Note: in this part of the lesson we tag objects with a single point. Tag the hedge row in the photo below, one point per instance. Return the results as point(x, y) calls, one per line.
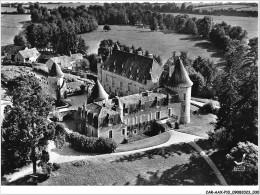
point(86, 144)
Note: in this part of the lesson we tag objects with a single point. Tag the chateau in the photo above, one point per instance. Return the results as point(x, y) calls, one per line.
point(140, 100)
point(127, 73)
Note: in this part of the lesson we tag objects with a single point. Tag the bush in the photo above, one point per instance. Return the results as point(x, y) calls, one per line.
point(208, 108)
point(86, 144)
point(245, 154)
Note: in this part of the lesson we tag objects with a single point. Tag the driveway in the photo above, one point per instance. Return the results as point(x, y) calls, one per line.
point(68, 155)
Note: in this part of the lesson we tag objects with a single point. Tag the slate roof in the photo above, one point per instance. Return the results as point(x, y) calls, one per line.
point(98, 93)
point(134, 99)
point(179, 77)
point(132, 66)
point(55, 71)
point(28, 53)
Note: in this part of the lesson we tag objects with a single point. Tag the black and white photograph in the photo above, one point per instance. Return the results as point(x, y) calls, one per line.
point(111, 95)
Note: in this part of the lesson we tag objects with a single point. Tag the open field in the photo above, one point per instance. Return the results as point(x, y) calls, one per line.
point(56, 5)
point(164, 166)
point(11, 25)
point(228, 6)
point(250, 24)
point(158, 43)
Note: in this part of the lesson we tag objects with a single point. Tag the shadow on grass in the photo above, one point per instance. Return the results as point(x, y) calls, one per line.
point(27, 180)
point(192, 38)
point(164, 152)
point(196, 172)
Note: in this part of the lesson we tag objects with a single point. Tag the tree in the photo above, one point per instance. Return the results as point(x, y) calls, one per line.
point(237, 93)
point(154, 24)
point(106, 27)
point(205, 26)
point(19, 40)
point(85, 64)
point(246, 154)
point(93, 60)
point(24, 125)
point(20, 9)
point(198, 84)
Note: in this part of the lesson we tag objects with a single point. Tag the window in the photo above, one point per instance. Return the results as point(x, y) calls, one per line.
point(129, 86)
point(157, 115)
point(110, 134)
point(113, 82)
point(184, 96)
point(127, 132)
point(169, 112)
point(141, 120)
point(92, 133)
point(126, 121)
point(123, 131)
point(148, 117)
point(151, 116)
point(135, 131)
point(106, 78)
point(183, 108)
point(133, 121)
point(121, 85)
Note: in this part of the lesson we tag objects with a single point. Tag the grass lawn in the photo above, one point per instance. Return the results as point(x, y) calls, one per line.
point(11, 25)
point(144, 143)
point(199, 125)
point(173, 165)
point(158, 43)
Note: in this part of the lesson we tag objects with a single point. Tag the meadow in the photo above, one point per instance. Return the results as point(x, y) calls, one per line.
point(158, 43)
point(228, 6)
point(11, 25)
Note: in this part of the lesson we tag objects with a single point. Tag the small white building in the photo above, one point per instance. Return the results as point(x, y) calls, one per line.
point(27, 55)
point(65, 62)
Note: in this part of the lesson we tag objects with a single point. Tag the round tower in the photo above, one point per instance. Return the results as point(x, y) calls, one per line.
point(56, 82)
point(180, 83)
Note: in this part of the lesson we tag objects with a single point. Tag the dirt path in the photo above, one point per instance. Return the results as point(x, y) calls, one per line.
point(210, 163)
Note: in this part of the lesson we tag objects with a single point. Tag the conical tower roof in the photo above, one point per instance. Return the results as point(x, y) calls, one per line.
point(55, 71)
point(180, 77)
point(98, 93)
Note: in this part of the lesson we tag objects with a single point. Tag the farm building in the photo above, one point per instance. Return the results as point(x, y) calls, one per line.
point(9, 51)
point(27, 55)
point(65, 62)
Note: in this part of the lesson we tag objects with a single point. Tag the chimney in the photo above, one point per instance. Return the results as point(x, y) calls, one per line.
point(70, 53)
point(155, 101)
point(150, 55)
point(140, 53)
point(171, 69)
point(131, 51)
